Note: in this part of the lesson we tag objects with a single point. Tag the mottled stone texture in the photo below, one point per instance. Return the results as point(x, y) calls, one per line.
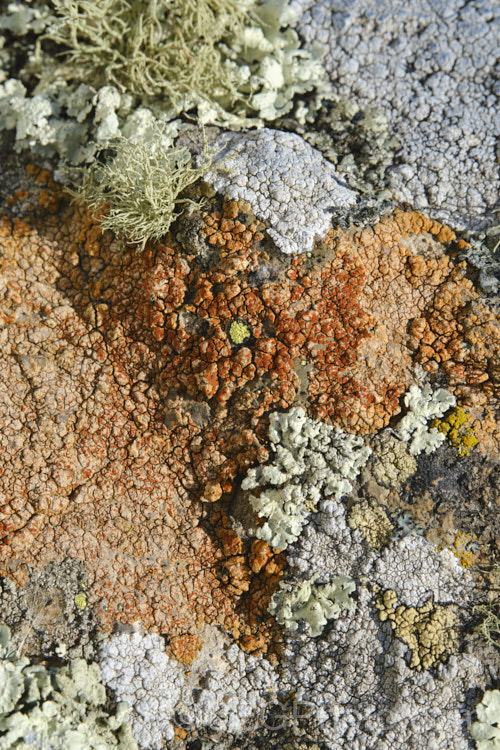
point(430, 65)
point(130, 414)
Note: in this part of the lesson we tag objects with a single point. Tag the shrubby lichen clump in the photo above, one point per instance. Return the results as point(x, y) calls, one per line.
point(151, 47)
point(138, 189)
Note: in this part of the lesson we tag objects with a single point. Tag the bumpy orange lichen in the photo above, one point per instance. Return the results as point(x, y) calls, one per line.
point(84, 472)
point(308, 319)
point(136, 390)
point(185, 648)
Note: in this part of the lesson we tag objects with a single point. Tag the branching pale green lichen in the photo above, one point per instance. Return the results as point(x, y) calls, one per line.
point(152, 47)
point(137, 192)
point(489, 627)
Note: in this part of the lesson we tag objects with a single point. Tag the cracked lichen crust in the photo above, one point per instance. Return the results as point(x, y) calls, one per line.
point(373, 522)
point(430, 65)
point(355, 681)
point(44, 615)
point(357, 140)
point(312, 461)
point(430, 631)
point(357, 690)
point(220, 694)
point(433, 572)
point(287, 183)
point(392, 462)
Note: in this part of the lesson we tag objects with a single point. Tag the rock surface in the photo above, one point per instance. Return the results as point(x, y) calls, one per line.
point(299, 355)
point(431, 67)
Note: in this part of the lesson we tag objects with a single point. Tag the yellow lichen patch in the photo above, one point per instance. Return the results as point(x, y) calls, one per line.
point(239, 332)
point(463, 548)
point(81, 600)
point(373, 522)
point(430, 631)
point(459, 432)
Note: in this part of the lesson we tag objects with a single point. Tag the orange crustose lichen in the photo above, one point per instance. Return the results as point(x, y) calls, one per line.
point(136, 390)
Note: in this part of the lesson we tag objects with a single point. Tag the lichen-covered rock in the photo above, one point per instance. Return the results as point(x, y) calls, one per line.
point(126, 401)
point(51, 611)
point(221, 692)
point(355, 689)
point(136, 393)
point(286, 182)
point(430, 67)
point(62, 708)
point(365, 684)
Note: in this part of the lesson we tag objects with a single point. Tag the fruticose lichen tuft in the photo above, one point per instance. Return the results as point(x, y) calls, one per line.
point(151, 47)
point(137, 192)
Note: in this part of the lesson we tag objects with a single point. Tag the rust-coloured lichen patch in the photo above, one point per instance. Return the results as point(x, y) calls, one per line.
point(136, 390)
point(87, 470)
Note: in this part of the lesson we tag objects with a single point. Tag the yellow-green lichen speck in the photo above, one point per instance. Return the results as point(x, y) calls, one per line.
point(81, 600)
point(239, 332)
